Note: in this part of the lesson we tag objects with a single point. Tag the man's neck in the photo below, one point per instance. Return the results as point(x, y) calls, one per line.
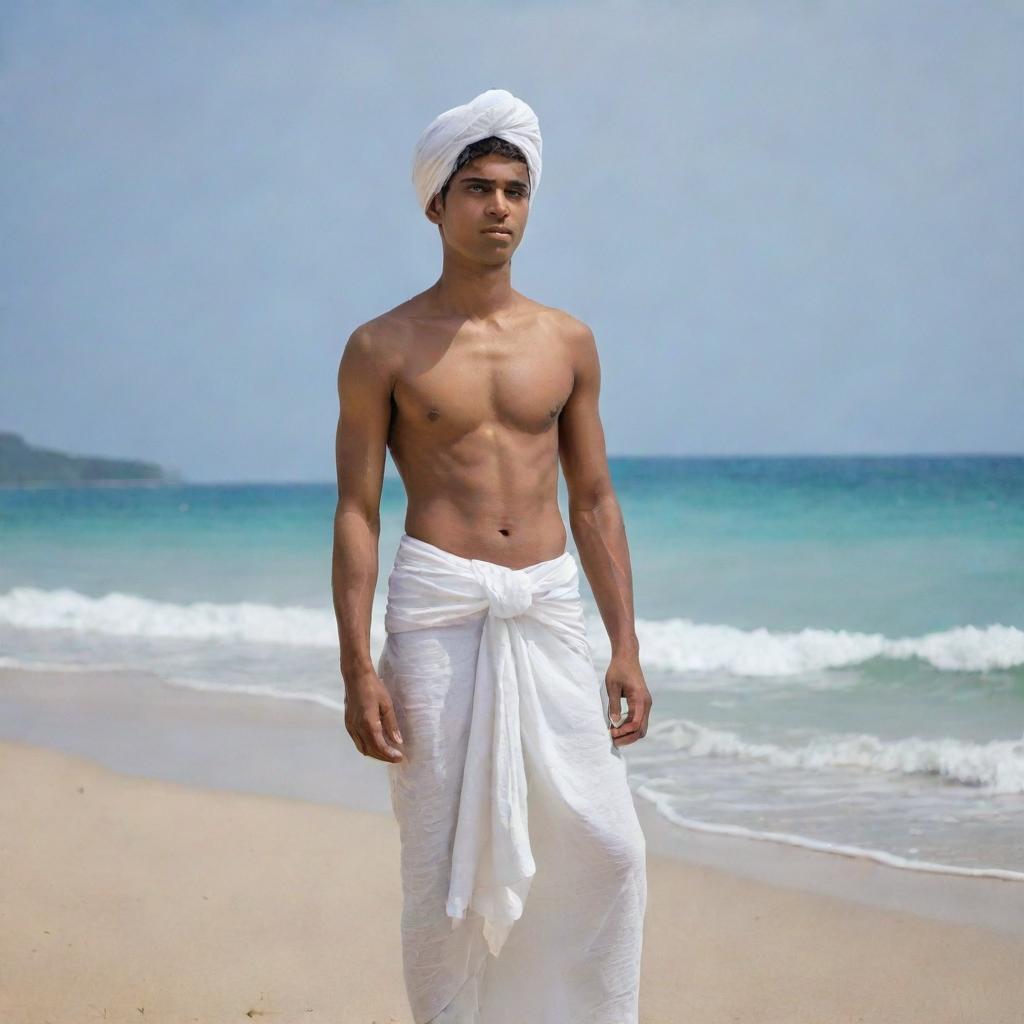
point(473, 291)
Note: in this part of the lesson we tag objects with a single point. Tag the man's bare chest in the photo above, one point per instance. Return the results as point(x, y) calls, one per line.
point(465, 387)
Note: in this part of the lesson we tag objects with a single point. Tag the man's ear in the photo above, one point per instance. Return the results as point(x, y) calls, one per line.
point(435, 208)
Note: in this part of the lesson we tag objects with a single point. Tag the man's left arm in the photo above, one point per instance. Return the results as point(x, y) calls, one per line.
point(597, 526)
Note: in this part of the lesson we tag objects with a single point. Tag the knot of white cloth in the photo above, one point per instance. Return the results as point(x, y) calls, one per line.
point(509, 591)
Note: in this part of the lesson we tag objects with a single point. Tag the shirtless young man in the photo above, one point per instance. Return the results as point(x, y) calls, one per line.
point(479, 392)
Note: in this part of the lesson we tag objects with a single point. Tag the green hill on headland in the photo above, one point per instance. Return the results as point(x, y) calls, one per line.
point(20, 463)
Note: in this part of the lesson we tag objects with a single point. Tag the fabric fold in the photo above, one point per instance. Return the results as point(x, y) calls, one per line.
point(492, 860)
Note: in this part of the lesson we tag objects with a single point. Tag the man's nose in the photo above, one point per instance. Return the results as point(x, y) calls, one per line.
point(499, 204)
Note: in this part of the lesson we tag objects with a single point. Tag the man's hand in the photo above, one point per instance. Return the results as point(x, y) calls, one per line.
point(369, 712)
point(624, 678)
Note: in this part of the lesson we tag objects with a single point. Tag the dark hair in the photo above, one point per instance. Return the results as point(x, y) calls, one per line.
point(492, 144)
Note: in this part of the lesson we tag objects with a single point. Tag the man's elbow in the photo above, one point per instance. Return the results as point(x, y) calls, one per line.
point(592, 498)
point(361, 511)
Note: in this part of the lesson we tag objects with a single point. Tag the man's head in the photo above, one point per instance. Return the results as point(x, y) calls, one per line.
point(444, 142)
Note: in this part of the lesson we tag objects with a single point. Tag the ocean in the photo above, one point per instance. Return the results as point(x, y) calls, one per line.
point(835, 645)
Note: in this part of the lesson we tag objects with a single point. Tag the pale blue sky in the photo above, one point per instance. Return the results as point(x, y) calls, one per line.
point(794, 227)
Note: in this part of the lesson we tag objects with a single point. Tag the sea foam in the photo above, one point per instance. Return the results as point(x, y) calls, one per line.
point(675, 645)
point(997, 766)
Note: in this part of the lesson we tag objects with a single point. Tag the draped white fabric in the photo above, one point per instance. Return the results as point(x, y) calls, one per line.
point(513, 805)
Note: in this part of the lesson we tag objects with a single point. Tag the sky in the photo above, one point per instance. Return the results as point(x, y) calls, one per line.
point(794, 227)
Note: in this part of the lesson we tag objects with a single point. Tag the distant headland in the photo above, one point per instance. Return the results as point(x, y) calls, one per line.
point(21, 463)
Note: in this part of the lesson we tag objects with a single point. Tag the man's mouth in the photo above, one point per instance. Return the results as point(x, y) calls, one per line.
point(497, 231)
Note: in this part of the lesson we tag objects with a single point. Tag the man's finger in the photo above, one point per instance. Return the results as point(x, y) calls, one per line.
point(614, 703)
point(390, 722)
point(625, 729)
point(358, 741)
point(646, 719)
point(633, 703)
point(625, 740)
point(370, 747)
point(380, 746)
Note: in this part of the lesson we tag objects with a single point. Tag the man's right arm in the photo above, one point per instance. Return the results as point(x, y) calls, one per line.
point(364, 396)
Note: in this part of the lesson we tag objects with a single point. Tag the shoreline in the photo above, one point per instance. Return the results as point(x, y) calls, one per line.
point(834, 849)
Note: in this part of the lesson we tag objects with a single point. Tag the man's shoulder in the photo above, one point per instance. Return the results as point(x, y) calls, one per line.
point(571, 329)
point(381, 338)
point(381, 327)
point(567, 326)
point(386, 332)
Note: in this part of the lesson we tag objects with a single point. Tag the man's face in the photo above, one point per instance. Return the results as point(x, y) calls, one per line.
point(488, 193)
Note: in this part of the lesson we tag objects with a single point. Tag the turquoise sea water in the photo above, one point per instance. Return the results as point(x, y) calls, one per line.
point(835, 645)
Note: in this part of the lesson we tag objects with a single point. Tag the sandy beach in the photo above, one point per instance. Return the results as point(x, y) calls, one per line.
point(177, 856)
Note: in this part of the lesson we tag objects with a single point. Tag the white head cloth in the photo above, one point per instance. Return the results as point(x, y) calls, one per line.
point(494, 112)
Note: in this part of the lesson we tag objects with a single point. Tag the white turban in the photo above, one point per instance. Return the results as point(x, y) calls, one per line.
point(494, 112)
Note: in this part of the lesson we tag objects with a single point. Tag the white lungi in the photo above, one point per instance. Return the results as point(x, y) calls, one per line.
point(523, 862)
